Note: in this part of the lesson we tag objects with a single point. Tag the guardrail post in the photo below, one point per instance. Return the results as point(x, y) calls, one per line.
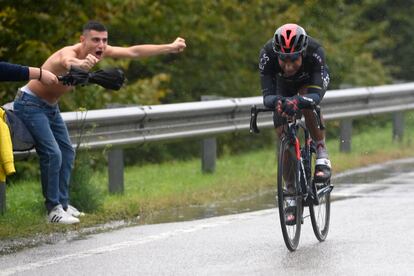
point(345, 135)
point(116, 170)
point(398, 126)
point(209, 150)
point(209, 145)
point(2, 198)
point(115, 164)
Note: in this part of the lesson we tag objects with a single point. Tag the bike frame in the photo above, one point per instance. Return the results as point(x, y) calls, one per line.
point(290, 135)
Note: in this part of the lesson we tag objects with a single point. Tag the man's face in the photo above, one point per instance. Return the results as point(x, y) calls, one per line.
point(289, 66)
point(94, 42)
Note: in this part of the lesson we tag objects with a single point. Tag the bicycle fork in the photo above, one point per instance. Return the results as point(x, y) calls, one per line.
point(302, 176)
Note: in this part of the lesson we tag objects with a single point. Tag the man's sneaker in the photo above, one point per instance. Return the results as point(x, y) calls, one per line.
point(58, 215)
point(74, 212)
point(322, 170)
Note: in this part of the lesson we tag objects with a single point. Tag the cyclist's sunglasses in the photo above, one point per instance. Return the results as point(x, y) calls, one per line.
point(291, 56)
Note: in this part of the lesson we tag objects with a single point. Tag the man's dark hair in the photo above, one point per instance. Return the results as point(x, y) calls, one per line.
point(94, 25)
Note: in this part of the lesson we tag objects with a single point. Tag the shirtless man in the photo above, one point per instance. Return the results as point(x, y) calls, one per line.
point(36, 104)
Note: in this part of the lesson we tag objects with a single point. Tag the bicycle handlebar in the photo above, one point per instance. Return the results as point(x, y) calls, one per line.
point(253, 117)
point(254, 111)
point(317, 112)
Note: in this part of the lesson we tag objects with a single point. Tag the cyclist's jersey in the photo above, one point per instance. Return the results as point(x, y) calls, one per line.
point(313, 74)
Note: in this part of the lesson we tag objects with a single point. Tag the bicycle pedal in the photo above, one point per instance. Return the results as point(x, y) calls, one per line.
point(319, 185)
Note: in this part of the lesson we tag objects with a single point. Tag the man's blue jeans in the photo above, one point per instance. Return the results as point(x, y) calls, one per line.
point(56, 154)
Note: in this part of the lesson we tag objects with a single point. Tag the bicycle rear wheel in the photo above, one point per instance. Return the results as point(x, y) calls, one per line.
point(320, 214)
point(289, 198)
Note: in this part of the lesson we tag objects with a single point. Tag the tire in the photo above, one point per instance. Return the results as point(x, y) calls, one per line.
point(320, 215)
point(290, 168)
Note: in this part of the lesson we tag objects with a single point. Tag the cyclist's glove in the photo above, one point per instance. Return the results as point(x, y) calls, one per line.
point(291, 105)
point(305, 101)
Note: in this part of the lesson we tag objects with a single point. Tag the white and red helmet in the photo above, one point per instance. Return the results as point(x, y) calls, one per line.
point(290, 39)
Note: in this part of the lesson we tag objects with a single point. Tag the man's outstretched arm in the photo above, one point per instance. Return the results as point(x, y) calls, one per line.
point(146, 50)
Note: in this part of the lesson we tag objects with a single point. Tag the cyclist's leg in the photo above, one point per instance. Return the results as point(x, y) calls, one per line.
point(323, 164)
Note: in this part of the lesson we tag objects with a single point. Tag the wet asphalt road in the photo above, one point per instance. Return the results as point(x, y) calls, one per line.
point(371, 234)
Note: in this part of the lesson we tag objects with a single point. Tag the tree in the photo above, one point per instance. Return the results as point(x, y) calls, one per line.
point(224, 38)
point(32, 30)
point(396, 52)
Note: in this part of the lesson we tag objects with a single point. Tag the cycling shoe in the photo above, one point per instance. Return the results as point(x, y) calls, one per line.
point(290, 215)
point(322, 170)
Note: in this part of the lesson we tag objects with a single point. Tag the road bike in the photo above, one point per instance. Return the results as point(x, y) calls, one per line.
point(296, 185)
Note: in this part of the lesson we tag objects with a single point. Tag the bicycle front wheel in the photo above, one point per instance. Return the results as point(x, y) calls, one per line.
point(289, 198)
point(320, 214)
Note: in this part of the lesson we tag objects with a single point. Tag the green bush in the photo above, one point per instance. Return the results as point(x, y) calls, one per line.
point(84, 193)
point(26, 170)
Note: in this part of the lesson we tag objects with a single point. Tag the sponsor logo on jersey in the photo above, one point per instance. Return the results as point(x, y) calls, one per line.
point(317, 57)
point(326, 80)
point(263, 61)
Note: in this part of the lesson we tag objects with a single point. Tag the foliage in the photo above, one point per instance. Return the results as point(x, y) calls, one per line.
point(30, 31)
point(366, 42)
point(397, 14)
point(26, 170)
point(84, 193)
point(223, 38)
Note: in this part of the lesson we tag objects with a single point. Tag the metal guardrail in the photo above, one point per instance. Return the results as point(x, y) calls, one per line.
point(141, 124)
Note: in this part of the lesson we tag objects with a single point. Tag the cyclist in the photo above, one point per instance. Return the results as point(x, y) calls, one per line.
point(293, 76)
